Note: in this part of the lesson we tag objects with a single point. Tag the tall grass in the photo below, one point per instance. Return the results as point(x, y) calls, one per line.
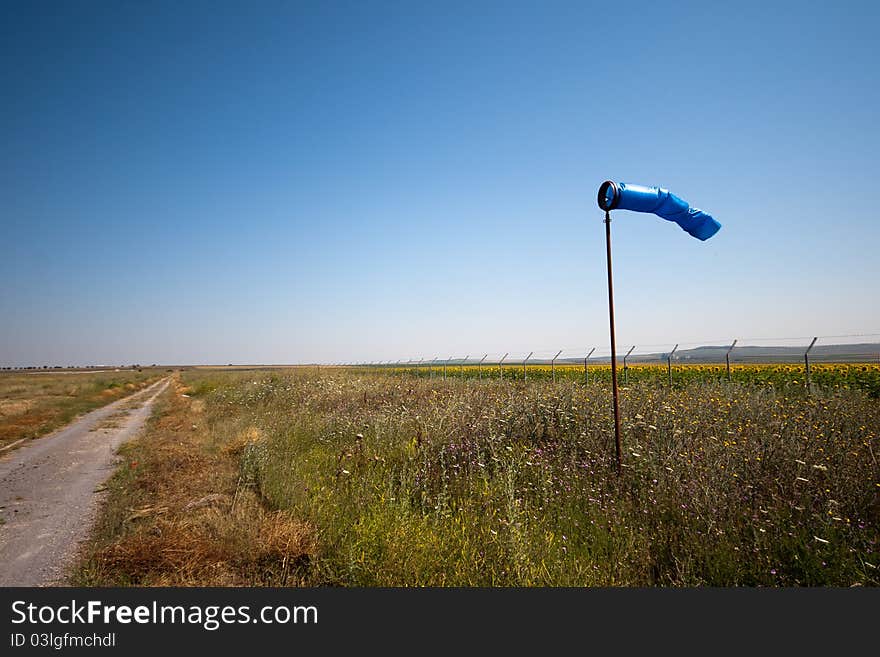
point(412, 481)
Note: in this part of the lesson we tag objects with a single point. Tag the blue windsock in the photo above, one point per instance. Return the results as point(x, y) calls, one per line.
point(659, 201)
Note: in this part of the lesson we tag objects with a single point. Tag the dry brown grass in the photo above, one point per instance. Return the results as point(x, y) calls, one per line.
point(34, 404)
point(176, 515)
point(242, 441)
point(10, 407)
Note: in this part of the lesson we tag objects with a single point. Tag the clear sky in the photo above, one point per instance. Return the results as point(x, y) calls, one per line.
point(262, 182)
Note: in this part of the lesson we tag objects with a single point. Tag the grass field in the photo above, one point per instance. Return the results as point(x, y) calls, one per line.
point(346, 477)
point(33, 404)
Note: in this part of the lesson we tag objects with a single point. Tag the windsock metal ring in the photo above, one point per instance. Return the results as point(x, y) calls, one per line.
point(609, 195)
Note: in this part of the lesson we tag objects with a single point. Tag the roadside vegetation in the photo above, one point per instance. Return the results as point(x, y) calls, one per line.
point(33, 404)
point(176, 513)
point(365, 478)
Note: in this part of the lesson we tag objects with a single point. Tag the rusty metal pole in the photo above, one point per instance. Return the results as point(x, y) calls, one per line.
point(669, 364)
point(586, 371)
point(626, 367)
point(727, 359)
point(807, 363)
point(614, 392)
point(553, 365)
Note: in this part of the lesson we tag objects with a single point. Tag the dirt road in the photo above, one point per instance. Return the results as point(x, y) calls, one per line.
point(48, 501)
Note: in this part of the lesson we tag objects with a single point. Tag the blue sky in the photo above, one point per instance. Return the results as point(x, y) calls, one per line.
point(297, 182)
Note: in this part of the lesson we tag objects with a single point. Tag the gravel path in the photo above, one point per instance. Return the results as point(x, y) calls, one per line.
point(48, 501)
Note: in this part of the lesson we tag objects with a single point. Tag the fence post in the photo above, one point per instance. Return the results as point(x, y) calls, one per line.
point(431, 371)
point(669, 364)
point(461, 366)
point(480, 365)
point(501, 365)
point(445, 363)
point(586, 373)
point(807, 363)
point(727, 359)
point(525, 374)
point(553, 365)
point(626, 367)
